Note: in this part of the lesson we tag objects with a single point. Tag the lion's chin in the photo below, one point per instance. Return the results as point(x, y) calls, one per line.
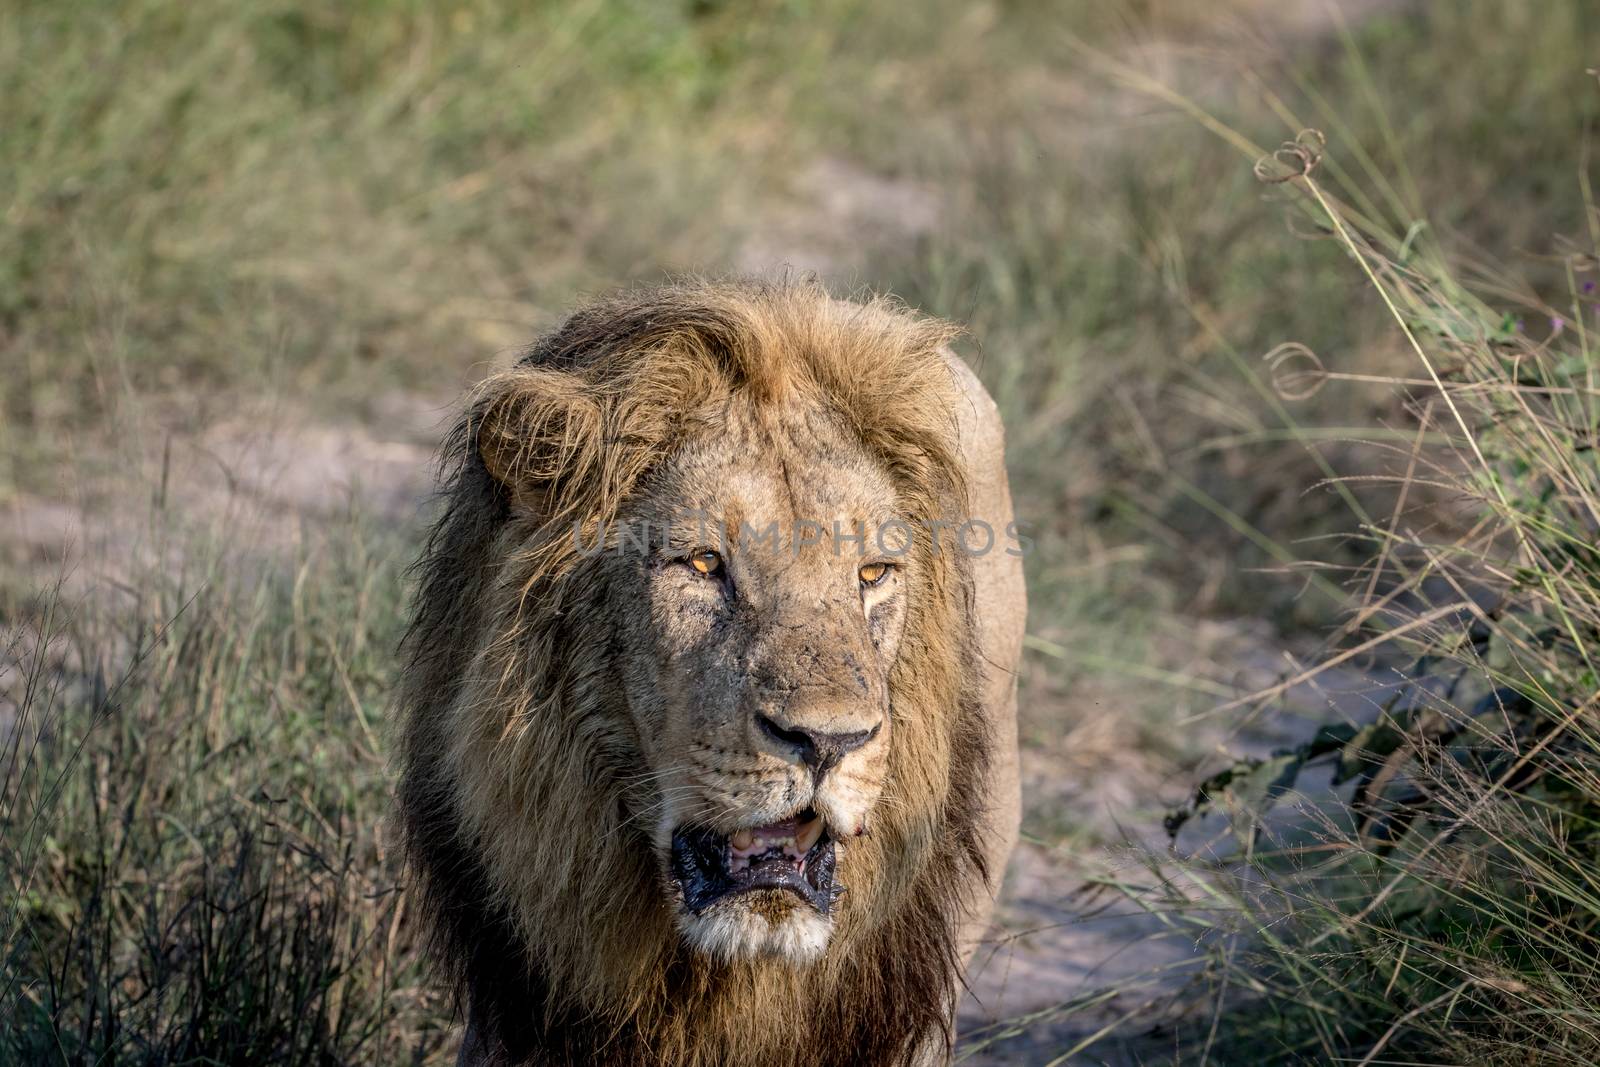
point(742, 929)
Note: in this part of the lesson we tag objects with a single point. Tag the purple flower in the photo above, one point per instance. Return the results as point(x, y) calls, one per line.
point(1557, 324)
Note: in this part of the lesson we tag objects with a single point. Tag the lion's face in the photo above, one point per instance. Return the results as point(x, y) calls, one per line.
point(758, 674)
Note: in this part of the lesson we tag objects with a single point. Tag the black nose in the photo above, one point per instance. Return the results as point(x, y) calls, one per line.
point(818, 749)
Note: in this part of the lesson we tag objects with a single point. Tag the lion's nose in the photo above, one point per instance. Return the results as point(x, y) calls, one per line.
point(818, 749)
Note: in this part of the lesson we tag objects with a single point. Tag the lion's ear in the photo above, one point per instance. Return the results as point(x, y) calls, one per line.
point(501, 458)
point(537, 433)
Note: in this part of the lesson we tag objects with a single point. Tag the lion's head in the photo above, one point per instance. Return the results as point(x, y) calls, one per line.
point(690, 749)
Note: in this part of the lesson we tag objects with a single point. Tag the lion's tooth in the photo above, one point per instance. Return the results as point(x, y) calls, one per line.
point(742, 840)
point(809, 833)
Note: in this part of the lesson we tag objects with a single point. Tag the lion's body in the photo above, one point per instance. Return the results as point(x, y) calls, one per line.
point(562, 712)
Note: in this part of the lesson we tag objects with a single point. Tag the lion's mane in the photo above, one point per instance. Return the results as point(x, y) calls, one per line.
point(519, 782)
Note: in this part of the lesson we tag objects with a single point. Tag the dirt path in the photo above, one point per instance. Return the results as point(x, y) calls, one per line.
point(252, 486)
point(1075, 962)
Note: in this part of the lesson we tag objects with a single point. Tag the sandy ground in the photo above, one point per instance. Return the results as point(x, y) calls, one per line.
point(1088, 952)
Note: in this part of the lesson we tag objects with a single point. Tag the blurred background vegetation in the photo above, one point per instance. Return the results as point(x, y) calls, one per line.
point(249, 255)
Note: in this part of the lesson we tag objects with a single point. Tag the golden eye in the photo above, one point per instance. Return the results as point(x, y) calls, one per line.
point(706, 562)
point(873, 573)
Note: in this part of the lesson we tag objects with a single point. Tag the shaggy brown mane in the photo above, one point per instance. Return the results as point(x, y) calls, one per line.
point(509, 702)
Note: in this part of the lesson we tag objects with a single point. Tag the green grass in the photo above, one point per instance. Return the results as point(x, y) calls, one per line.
point(1441, 906)
point(1444, 908)
point(203, 205)
point(196, 863)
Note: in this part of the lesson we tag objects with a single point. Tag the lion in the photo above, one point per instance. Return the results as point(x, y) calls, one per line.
point(708, 717)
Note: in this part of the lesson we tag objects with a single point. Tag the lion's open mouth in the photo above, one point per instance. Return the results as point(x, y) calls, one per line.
point(795, 854)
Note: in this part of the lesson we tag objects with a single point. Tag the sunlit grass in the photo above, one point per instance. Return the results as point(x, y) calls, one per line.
point(1440, 905)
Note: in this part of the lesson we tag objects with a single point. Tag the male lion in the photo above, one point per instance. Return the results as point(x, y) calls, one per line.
point(709, 724)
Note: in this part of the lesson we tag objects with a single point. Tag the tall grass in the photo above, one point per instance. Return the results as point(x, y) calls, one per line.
point(1446, 906)
point(193, 858)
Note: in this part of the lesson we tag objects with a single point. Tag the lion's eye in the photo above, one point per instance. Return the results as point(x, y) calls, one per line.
point(707, 562)
point(874, 573)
